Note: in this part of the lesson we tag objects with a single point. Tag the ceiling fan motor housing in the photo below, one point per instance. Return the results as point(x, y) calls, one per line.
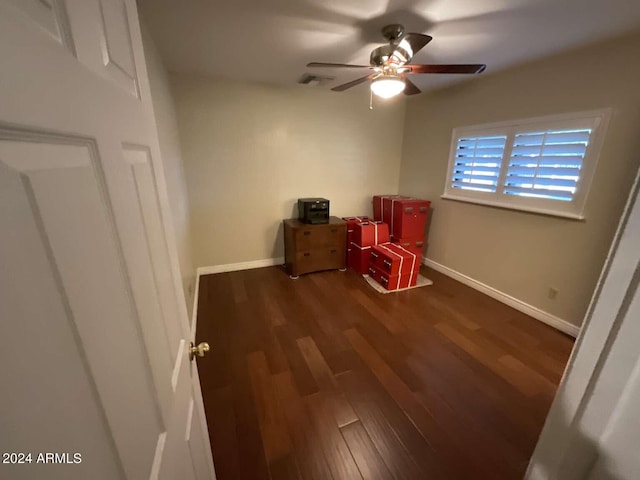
point(389, 55)
point(393, 32)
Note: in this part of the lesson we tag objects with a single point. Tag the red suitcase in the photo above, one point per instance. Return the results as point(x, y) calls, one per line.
point(407, 217)
point(359, 258)
point(370, 233)
point(393, 282)
point(394, 259)
point(414, 245)
point(351, 221)
point(378, 201)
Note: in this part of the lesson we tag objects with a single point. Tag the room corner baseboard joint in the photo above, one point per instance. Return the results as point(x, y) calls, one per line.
point(230, 267)
point(234, 267)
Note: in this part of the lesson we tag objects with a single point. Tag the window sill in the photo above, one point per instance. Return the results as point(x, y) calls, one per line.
point(489, 203)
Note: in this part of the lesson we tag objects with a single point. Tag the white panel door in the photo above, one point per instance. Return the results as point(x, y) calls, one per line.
point(593, 428)
point(94, 336)
point(618, 452)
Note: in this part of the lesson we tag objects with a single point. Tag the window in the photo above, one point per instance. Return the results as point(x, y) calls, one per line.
point(477, 163)
point(543, 165)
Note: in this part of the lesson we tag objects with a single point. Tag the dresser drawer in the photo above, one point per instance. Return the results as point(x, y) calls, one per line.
point(315, 237)
point(328, 258)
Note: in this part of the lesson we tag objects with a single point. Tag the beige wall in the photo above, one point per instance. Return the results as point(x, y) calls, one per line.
point(250, 151)
point(165, 116)
point(518, 253)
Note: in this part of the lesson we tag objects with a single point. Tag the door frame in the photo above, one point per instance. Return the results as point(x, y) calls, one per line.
point(567, 446)
point(195, 376)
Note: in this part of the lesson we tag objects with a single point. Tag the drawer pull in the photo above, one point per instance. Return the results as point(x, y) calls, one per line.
point(408, 210)
point(334, 230)
point(374, 255)
point(423, 209)
point(387, 264)
point(372, 270)
point(333, 250)
point(419, 244)
point(306, 254)
point(307, 232)
point(384, 280)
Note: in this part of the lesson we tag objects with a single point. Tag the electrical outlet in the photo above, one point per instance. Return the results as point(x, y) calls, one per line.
point(553, 293)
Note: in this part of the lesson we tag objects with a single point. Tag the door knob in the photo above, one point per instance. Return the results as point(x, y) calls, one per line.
point(198, 350)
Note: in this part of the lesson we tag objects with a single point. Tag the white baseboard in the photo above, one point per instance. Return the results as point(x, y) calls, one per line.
point(233, 267)
point(535, 312)
point(230, 267)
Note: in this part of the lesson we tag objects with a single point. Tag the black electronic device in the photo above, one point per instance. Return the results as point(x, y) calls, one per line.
point(313, 210)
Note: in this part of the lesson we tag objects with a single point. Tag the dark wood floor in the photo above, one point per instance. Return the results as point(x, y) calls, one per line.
point(323, 378)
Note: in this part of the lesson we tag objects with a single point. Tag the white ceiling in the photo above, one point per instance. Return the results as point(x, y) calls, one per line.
point(271, 41)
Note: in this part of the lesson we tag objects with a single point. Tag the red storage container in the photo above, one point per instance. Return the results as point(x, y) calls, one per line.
point(370, 233)
point(392, 282)
point(408, 216)
point(351, 221)
point(358, 258)
point(414, 245)
point(378, 201)
point(394, 260)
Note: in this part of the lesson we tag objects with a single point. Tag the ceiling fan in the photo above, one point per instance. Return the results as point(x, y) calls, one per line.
point(390, 64)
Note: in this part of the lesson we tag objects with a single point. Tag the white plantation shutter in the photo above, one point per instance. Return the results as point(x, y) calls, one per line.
point(542, 165)
point(546, 164)
point(477, 163)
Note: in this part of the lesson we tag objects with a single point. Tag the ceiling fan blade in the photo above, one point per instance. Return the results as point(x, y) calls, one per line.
point(335, 65)
point(416, 41)
point(465, 68)
point(344, 86)
point(410, 87)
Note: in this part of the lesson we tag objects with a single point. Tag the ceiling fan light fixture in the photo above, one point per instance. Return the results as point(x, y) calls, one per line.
point(389, 65)
point(387, 86)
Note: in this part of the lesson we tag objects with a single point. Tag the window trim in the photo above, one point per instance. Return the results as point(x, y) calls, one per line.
point(597, 120)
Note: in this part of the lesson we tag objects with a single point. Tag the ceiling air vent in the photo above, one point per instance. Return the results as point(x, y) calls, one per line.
point(314, 80)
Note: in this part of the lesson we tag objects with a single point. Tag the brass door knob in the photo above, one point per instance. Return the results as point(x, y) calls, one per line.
point(199, 350)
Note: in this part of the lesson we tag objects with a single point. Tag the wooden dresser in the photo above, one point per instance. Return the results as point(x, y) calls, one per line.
point(311, 248)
